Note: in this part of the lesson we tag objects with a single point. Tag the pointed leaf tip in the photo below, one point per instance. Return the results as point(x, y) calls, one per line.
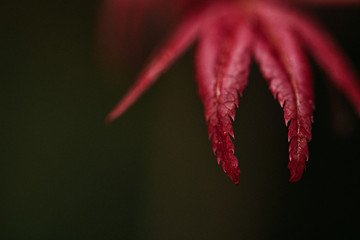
point(178, 42)
point(292, 83)
point(223, 61)
point(109, 119)
point(235, 176)
point(297, 169)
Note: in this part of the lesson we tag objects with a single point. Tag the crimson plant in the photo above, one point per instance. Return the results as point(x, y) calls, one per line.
point(229, 34)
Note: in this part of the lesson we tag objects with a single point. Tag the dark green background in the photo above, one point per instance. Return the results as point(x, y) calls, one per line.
point(152, 174)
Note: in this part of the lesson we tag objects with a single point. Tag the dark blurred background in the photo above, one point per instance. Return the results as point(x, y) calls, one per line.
point(152, 174)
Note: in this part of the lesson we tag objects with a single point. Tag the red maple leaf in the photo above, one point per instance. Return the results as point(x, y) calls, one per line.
point(229, 34)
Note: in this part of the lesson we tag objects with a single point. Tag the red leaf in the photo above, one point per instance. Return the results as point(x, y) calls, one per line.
point(301, 81)
point(324, 48)
point(229, 32)
point(331, 58)
point(277, 77)
point(175, 46)
point(223, 61)
point(298, 102)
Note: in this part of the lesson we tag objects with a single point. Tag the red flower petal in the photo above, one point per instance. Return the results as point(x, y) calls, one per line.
point(223, 61)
